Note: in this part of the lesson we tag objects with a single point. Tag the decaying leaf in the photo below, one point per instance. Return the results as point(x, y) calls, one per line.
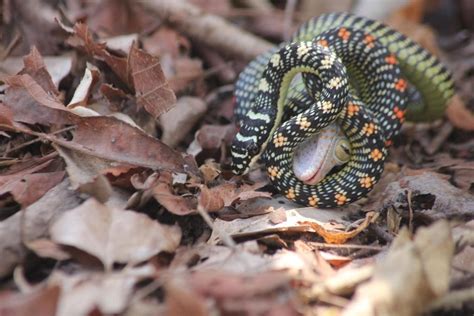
point(177, 122)
point(225, 194)
point(340, 237)
point(114, 235)
point(83, 90)
point(27, 189)
point(151, 88)
point(211, 137)
point(412, 275)
point(110, 293)
point(296, 219)
point(32, 223)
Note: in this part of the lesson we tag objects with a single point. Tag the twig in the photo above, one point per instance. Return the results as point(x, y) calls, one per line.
point(37, 140)
point(347, 246)
point(410, 211)
point(206, 28)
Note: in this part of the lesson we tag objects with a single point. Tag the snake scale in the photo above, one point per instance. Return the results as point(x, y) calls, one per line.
point(357, 74)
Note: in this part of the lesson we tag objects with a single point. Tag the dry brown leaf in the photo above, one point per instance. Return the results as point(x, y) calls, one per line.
point(40, 302)
point(28, 188)
point(113, 139)
point(166, 41)
point(459, 115)
point(82, 38)
point(163, 192)
point(35, 67)
point(431, 193)
point(110, 293)
point(186, 71)
point(338, 236)
point(179, 121)
point(116, 18)
point(224, 194)
point(210, 170)
point(31, 104)
point(412, 275)
point(114, 235)
point(103, 137)
point(211, 137)
point(32, 223)
point(151, 88)
point(87, 172)
point(58, 66)
point(6, 116)
point(297, 219)
point(181, 300)
point(244, 294)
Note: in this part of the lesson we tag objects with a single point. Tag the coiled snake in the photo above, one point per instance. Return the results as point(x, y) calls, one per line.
point(357, 74)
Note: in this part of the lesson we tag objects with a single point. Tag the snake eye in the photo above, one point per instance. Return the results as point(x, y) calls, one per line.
point(252, 149)
point(343, 150)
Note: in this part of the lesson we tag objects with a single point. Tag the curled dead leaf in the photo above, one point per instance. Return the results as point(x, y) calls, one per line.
point(410, 276)
point(338, 236)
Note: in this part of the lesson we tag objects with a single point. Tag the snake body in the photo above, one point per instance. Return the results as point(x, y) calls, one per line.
point(356, 72)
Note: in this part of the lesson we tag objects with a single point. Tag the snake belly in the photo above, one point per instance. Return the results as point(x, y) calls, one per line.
point(370, 112)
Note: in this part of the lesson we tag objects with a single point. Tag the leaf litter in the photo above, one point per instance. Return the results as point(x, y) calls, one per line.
point(117, 196)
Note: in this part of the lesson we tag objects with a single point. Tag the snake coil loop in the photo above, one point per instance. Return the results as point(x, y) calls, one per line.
point(353, 75)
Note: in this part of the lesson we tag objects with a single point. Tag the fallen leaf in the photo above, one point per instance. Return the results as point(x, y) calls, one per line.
point(28, 188)
point(57, 66)
point(110, 293)
point(433, 194)
point(114, 235)
point(82, 38)
point(339, 236)
point(181, 300)
point(211, 137)
point(33, 223)
point(31, 104)
point(104, 16)
point(83, 90)
point(225, 194)
point(166, 41)
point(210, 170)
point(35, 67)
point(298, 220)
point(163, 192)
point(459, 115)
point(151, 88)
point(86, 172)
point(179, 121)
point(103, 137)
point(410, 276)
point(186, 71)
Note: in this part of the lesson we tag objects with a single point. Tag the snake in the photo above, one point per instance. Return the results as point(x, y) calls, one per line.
point(347, 81)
